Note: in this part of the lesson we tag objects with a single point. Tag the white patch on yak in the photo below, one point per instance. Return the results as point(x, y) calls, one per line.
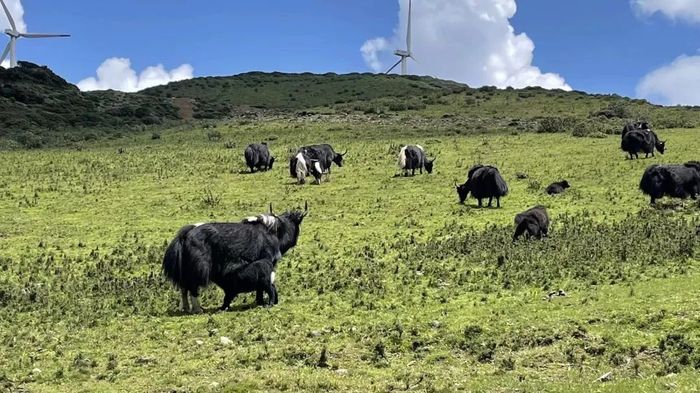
point(268, 220)
point(420, 147)
point(317, 165)
point(199, 224)
point(301, 168)
point(272, 277)
point(402, 158)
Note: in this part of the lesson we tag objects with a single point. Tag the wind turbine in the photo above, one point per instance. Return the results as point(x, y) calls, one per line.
point(404, 54)
point(11, 47)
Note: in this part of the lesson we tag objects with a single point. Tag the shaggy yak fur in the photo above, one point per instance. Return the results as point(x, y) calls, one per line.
point(533, 222)
point(483, 182)
point(325, 155)
point(413, 157)
point(301, 166)
point(238, 257)
point(557, 187)
point(676, 181)
point(645, 141)
point(258, 157)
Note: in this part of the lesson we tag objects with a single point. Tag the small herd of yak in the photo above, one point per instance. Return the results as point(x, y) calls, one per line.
point(242, 257)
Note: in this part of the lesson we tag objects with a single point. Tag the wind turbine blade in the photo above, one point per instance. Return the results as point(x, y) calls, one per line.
point(394, 66)
point(408, 32)
point(9, 17)
point(4, 54)
point(42, 35)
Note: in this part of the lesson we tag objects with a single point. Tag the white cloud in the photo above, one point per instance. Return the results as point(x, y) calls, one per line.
point(688, 10)
point(116, 73)
point(17, 12)
point(469, 41)
point(675, 84)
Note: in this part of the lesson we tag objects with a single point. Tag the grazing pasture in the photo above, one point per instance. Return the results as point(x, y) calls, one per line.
point(393, 285)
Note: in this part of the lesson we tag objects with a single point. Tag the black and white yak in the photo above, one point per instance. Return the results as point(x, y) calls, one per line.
point(533, 222)
point(325, 155)
point(483, 182)
point(301, 166)
point(676, 181)
point(412, 157)
point(238, 257)
point(258, 157)
point(557, 187)
point(645, 141)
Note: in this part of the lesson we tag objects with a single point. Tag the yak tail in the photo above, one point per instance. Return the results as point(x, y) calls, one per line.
point(402, 158)
point(176, 260)
point(501, 186)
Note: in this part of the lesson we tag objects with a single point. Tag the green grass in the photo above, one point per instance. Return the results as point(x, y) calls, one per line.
point(401, 285)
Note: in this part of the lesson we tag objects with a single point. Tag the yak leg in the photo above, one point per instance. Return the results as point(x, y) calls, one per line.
point(413, 172)
point(498, 202)
point(228, 298)
point(274, 288)
point(271, 294)
point(480, 202)
point(185, 303)
point(490, 201)
point(194, 298)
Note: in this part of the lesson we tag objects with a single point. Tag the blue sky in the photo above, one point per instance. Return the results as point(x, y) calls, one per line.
point(592, 45)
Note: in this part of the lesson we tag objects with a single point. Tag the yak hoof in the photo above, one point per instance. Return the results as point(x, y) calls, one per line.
point(197, 310)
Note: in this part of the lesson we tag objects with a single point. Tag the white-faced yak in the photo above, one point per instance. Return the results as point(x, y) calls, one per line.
point(301, 166)
point(413, 157)
point(645, 141)
point(238, 257)
point(675, 181)
point(258, 157)
point(533, 222)
point(557, 187)
point(483, 182)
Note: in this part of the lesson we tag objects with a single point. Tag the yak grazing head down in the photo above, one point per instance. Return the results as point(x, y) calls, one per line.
point(429, 165)
point(338, 159)
point(462, 191)
point(661, 146)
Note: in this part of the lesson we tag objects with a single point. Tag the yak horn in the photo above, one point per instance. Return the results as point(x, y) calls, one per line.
point(271, 213)
point(306, 208)
point(342, 154)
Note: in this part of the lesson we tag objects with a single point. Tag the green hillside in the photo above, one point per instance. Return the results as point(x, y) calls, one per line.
point(38, 108)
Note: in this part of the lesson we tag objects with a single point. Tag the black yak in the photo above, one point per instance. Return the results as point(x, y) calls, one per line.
point(676, 181)
point(557, 187)
point(533, 222)
point(413, 157)
point(301, 166)
point(325, 155)
point(483, 182)
point(640, 125)
point(645, 141)
point(258, 157)
point(238, 257)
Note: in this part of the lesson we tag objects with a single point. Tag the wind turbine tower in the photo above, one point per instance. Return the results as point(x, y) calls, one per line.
point(404, 55)
point(14, 35)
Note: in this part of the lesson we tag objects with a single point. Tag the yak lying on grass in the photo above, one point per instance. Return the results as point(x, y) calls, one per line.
point(413, 157)
point(533, 222)
point(238, 257)
point(645, 141)
point(258, 157)
point(483, 182)
point(301, 166)
point(676, 181)
point(557, 187)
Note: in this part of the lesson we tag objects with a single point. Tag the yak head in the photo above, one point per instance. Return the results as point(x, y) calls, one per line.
point(288, 232)
point(661, 146)
point(338, 159)
point(462, 191)
point(564, 184)
point(429, 165)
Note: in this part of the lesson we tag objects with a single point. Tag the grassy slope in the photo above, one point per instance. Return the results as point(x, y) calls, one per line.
point(73, 214)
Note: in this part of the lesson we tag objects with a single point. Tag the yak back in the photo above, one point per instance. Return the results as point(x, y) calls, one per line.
point(485, 181)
